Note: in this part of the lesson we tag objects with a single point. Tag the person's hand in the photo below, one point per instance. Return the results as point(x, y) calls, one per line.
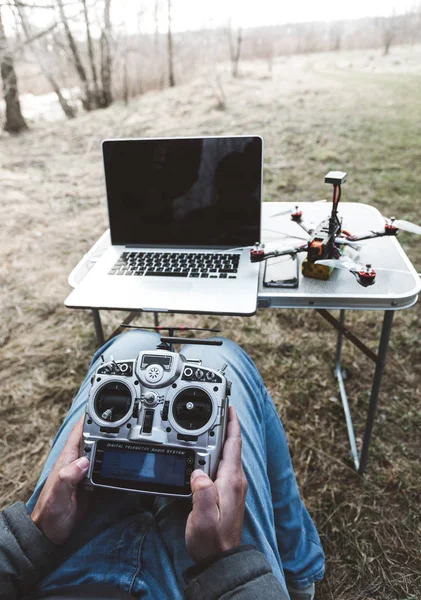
point(216, 520)
point(59, 508)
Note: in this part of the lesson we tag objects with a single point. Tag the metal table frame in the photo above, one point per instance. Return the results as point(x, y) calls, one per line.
point(379, 359)
point(360, 459)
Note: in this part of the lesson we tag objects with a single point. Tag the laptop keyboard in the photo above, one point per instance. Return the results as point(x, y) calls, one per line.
point(177, 264)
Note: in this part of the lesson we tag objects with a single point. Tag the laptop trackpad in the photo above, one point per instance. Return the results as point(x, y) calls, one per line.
point(158, 285)
point(171, 295)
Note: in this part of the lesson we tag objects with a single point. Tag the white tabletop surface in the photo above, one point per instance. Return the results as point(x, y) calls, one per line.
point(392, 290)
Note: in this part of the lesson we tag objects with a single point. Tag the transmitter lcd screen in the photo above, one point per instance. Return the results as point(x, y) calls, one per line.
point(164, 361)
point(203, 192)
point(143, 466)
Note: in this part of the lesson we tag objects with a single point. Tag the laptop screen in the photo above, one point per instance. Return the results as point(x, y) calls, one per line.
point(199, 192)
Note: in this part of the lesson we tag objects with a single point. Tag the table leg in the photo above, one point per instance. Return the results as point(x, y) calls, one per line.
point(342, 391)
point(340, 338)
point(379, 359)
point(98, 326)
point(375, 389)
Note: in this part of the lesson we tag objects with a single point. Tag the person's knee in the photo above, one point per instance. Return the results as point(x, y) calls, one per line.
point(214, 356)
point(130, 343)
point(229, 347)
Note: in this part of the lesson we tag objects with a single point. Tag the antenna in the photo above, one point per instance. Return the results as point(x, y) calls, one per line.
point(167, 342)
point(171, 329)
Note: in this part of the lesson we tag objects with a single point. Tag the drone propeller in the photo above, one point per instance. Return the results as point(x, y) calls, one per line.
point(403, 225)
point(344, 242)
point(346, 263)
point(289, 211)
point(285, 234)
point(296, 209)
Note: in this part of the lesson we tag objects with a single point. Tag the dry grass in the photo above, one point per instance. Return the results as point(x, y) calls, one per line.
point(315, 115)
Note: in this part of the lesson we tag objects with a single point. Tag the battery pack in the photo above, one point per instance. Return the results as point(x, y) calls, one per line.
point(310, 269)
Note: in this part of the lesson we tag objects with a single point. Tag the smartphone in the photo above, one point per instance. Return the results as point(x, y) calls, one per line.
point(281, 272)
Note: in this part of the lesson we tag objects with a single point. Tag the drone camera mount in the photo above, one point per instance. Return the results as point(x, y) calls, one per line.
point(335, 177)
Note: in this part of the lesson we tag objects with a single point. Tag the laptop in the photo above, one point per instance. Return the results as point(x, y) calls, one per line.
point(183, 214)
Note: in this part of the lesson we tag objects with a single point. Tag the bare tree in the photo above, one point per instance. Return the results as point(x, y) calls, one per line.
point(218, 91)
point(171, 77)
point(88, 98)
point(15, 123)
point(336, 34)
point(106, 61)
point(234, 47)
point(68, 110)
point(389, 33)
point(97, 93)
point(159, 58)
point(126, 89)
point(156, 18)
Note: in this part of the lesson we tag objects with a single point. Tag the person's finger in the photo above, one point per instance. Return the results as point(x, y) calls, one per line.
point(74, 438)
point(71, 448)
point(231, 454)
point(68, 479)
point(205, 499)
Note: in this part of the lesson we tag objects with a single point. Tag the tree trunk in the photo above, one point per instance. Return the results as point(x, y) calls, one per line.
point(15, 123)
point(170, 49)
point(106, 62)
point(126, 91)
point(97, 92)
point(237, 53)
point(387, 42)
point(235, 48)
point(88, 100)
point(68, 110)
point(156, 16)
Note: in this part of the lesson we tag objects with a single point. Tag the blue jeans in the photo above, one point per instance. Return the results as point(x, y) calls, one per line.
point(136, 542)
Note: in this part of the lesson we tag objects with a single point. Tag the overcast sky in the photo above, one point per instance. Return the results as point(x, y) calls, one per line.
point(197, 14)
point(138, 15)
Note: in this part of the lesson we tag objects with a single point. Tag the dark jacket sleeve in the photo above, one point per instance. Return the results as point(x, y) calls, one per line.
point(241, 574)
point(25, 552)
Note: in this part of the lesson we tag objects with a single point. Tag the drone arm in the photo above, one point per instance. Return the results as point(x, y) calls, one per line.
point(308, 230)
point(260, 257)
point(365, 236)
point(340, 241)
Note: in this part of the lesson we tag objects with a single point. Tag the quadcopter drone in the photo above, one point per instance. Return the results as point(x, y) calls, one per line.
point(327, 240)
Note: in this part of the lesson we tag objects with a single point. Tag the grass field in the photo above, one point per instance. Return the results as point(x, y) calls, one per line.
point(358, 112)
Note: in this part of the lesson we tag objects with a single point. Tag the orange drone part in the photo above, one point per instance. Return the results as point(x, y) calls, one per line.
point(317, 246)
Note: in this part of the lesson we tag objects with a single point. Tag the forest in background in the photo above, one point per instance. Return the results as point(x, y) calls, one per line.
point(74, 49)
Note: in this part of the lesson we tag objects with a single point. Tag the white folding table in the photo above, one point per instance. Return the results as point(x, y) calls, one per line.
point(396, 287)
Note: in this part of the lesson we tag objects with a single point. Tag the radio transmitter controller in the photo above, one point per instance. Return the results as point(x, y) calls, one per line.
point(152, 420)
